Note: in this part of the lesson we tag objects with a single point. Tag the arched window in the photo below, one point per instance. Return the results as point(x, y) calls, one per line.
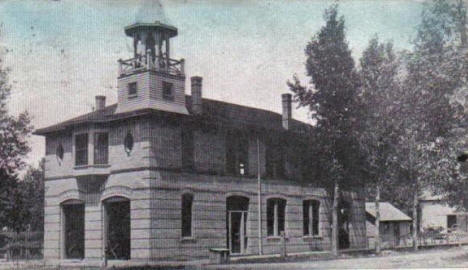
point(276, 215)
point(59, 152)
point(187, 203)
point(128, 143)
point(311, 217)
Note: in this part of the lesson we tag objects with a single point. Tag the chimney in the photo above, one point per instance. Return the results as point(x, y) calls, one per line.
point(287, 113)
point(196, 95)
point(100, 103)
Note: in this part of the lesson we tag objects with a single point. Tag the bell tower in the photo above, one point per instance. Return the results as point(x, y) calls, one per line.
point(151, 79)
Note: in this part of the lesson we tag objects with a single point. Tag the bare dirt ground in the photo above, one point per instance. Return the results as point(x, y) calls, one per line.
point(456, 257)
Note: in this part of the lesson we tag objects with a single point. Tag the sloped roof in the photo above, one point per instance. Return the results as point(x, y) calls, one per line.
point(213, 111)
point(388, 212)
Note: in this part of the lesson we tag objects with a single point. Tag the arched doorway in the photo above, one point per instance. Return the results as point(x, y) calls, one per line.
point(117, 228)
point(73, 229)
point(236, 222)
point(344, 218)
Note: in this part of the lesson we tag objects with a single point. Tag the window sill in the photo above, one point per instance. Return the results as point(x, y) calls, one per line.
point(132, 96)
point(98, 169)
point(275, 238)
point(312, 237)
point(188, 239)
point(82, 167)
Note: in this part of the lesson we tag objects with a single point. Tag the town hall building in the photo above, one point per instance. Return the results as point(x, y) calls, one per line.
point(162, 175)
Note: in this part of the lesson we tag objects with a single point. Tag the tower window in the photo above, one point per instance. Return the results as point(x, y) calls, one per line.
point(132, 89)
point(167, 91)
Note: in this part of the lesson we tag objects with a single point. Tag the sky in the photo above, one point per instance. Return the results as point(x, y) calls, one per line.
point(62, 53)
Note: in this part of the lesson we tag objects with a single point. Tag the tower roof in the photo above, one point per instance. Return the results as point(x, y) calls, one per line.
point(156, 26)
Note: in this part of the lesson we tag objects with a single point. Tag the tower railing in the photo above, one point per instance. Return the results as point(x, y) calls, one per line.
point(148, 62)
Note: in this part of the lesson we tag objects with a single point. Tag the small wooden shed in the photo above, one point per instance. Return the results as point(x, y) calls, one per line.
point(395, 226)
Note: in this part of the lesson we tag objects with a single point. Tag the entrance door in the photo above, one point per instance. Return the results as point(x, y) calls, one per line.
point(73, 227)
point(237, 231)
point(236, 224)
point(117, 228)
point(396, 230)
point(344, 210)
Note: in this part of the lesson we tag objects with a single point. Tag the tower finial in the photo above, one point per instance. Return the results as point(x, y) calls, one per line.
point(150, 11)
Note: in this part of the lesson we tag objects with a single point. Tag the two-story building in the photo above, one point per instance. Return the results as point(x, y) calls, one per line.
point(163, 175)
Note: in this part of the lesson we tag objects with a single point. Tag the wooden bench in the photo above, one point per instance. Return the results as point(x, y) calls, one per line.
point(219, 255)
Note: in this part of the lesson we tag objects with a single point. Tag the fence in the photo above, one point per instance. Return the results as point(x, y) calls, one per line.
point(425, 239)
point(24, 245)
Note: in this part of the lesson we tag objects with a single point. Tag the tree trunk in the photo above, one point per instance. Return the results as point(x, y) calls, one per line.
point(377, 219)
point(334, 242)
point(415, 220)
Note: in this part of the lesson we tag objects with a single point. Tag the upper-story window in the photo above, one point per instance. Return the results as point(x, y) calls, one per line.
point(275, 160)
point(81, 149)
point(237, 155)
point(132, 89)
point(168, 92)
point(187, 149)
point(101, 148)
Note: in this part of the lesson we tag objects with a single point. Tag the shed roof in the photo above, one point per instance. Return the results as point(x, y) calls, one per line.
point(218, 112)
point(388, 212)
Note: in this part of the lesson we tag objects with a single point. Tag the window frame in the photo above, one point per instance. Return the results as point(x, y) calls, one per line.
point(279, 205)
point(168, 86)
point(83, 149)
point(184, 198)
point(132, 89)
point(97, 154)
point(311, 218)
point(237, 153)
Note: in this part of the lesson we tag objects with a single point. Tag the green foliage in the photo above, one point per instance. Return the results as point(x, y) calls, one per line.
point(330, 96)
point(14, 132)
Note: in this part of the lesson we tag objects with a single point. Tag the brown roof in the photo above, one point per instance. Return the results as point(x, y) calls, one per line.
point(213, 112)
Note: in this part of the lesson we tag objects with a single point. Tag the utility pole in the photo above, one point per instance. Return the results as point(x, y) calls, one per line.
point(259, 204)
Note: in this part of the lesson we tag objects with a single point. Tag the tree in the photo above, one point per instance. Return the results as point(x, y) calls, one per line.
point(14, 132)
point(377, 135)
point(330, 96)
point(436, 69)
point(32, 186)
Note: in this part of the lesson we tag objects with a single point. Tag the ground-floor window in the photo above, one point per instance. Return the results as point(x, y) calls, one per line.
point(187, 201)
point(117, 228)
point(276, 213)
point(311, 218)
point(73, 229)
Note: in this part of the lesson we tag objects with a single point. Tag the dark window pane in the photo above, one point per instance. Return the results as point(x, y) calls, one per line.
point(81, 149)
point(237, 153)
point(281, 215)
point(305, 216)
point(132, 88)
point(187, 201)
point(315, 217)
point(167, 91)
point(128, 143)
point(187, 149)
point(101, 148)
point(270, 216)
